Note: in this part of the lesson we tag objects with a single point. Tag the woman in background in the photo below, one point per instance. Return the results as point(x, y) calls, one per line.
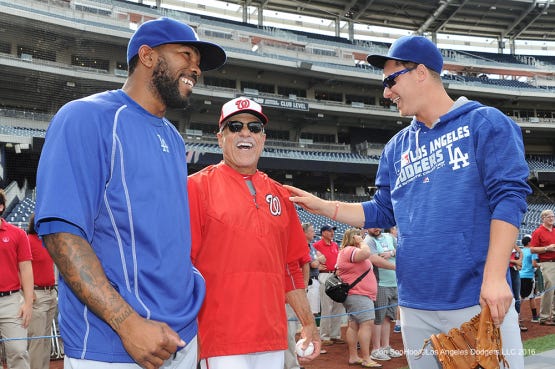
point(352, 261)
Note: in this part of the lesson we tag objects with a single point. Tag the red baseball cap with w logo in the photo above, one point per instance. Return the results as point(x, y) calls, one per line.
point(242, 105)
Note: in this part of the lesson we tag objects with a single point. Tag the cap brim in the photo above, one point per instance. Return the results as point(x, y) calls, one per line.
point(212, 56)
point(379, 61)
point(263, 118)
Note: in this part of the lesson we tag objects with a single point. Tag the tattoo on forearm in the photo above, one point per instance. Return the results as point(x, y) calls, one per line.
point(83, 272)
point(120, 318)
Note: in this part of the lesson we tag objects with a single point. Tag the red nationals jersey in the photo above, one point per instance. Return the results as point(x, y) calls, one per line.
point(247, 246)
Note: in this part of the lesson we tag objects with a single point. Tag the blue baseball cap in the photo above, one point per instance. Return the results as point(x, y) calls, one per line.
point(170, 31)
point(416, 49)
point(327, 227)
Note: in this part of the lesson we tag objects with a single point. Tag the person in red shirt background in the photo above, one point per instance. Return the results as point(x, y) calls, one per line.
point(543, 244)
point(16, 308)
point(330, 328)
point(45, 303)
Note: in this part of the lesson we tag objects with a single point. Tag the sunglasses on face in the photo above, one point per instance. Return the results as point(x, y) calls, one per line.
point(389, 81)
point(236, 126)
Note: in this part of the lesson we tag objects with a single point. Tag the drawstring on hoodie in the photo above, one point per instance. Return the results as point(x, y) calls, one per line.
point(418, 143)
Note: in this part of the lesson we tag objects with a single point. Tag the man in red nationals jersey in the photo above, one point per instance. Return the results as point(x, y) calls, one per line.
point(45, 303)
point(543, 244)
point(16, 290)
point(246, 241)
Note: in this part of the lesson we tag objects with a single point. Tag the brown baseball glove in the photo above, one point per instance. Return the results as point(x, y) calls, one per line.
point(476, 344)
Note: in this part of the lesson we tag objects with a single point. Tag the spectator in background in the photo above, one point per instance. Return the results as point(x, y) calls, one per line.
point(383, 250)
point(397, 328)
point(112, 209)
point(330, 323)
point(45, 303)
point(515, 263)
point(543, 244)
point(353, 262)
point(529, 265)
point(16, 274)
point(454, 180)
point(313, 288)
point(316, 260)
point(247, 243)
point(392, 231)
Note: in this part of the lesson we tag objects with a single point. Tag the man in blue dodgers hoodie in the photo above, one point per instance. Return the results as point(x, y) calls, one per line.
point(454, 182)
point(113, 212)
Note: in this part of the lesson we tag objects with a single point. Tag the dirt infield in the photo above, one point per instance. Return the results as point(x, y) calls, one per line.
point(337, 355)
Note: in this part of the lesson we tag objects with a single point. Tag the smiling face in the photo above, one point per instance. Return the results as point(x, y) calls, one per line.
point(402, 92)
point(175, 74)
point(241, 149)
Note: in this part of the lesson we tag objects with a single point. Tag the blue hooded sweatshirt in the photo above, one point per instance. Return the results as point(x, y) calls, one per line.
point(442, 187)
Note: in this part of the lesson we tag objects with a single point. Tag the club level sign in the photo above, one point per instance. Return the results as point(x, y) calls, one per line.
point(281, 103)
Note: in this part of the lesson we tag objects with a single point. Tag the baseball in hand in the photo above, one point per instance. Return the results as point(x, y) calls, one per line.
point(306, 352)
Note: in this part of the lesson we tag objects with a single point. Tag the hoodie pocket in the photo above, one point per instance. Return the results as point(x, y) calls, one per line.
point(438, 272)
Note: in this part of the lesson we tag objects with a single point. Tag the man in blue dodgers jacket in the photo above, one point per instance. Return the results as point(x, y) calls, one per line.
point(454, 182)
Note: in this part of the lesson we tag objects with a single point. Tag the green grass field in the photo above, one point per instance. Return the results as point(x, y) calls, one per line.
point(539, 344)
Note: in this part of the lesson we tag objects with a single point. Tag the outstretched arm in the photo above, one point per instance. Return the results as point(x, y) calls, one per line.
point(148, 342)
point(348, 213)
